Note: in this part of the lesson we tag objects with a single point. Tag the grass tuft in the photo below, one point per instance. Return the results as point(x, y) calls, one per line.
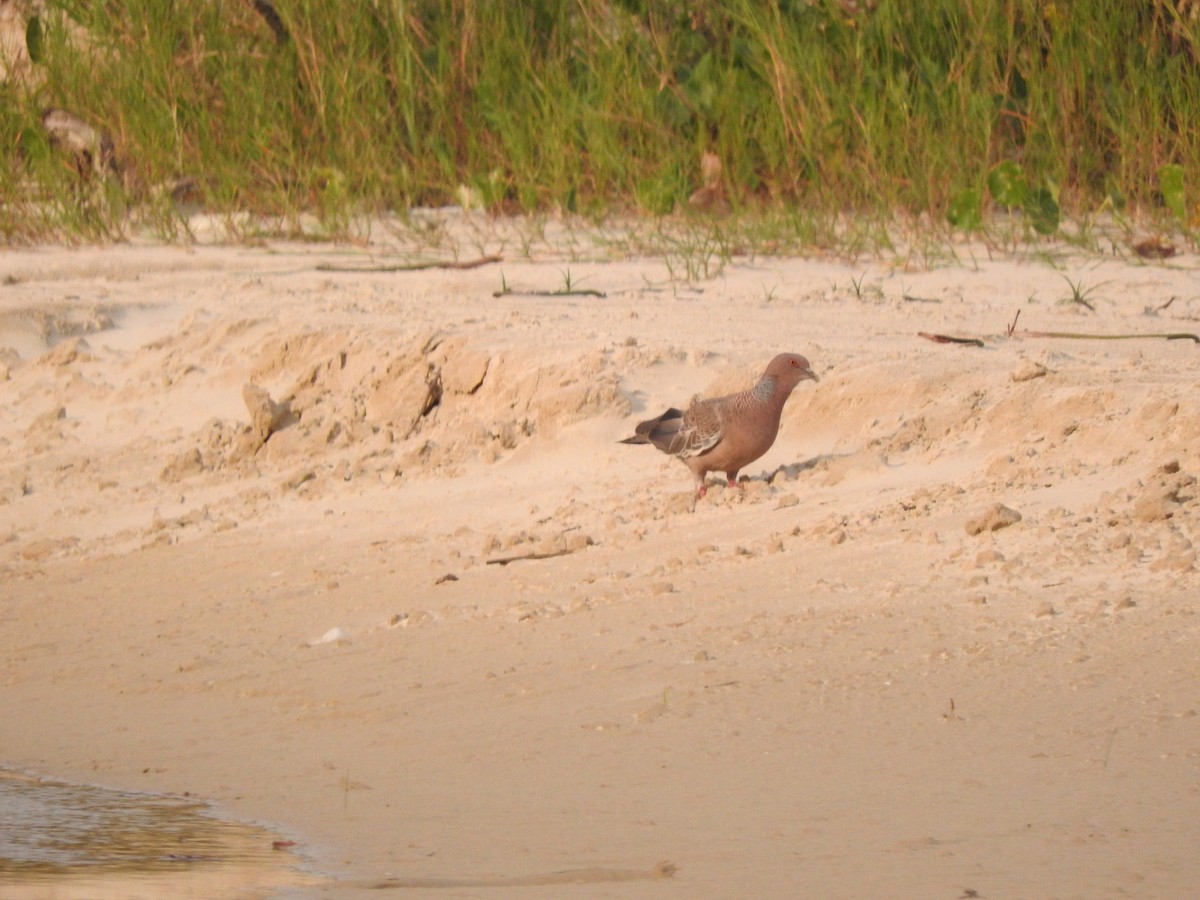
point(999, 117)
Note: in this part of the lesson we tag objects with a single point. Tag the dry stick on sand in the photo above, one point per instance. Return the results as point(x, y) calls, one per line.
point(1173, 336)
point(413, 267)
point(1012, 326)
point(505, 560)
point(949, 339)
point(1011, 331)
point(1169, 336)
point(574, 292)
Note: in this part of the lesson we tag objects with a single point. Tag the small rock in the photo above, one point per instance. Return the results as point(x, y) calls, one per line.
point(577, 542)
point(999, 516)
point(1154, 507)
point(48, 418)
point(1118, 541)
point(266, 416)
point(182, 465)
point(332, 636)
point(297, 478)
point(1027, 370)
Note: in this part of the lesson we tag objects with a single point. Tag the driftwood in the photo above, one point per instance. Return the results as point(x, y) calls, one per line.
point(1167, 336)
point(1011, 331)
point(506, 292)
point(505, 560)
point(950, 339)
point(413, 267)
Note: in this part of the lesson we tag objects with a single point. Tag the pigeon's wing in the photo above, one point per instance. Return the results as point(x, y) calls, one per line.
point(682, 433)
point(700, 428)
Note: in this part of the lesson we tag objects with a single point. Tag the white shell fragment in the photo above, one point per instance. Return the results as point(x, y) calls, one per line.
point(332, 636)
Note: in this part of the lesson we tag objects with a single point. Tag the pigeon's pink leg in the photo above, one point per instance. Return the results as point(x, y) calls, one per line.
point(733, 482)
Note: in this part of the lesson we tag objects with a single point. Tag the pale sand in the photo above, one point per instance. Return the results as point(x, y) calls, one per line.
point(821, 686)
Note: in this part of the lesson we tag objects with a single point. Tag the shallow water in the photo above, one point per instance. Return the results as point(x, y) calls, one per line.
point(67, 841)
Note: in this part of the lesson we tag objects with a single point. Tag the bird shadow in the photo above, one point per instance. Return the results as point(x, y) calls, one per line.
point(638, 402)
point(792, 471)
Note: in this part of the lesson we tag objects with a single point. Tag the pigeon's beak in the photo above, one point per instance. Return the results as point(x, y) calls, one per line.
point(811, 375)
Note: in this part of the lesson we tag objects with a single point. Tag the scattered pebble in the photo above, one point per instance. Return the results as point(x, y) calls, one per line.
point(336, 636)
point(1027, 370)
point(999, 516)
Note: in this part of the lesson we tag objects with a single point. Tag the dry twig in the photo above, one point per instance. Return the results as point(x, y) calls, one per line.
point(505, 560)
point(950, 339)
point(1172, 336)
point(413, 267)
point(574, 292)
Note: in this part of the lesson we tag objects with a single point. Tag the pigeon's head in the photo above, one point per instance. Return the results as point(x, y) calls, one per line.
point(789, 369)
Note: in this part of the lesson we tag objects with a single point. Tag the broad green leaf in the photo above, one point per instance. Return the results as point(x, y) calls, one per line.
point(1043, 211)
point(33, 38)
point(1170, 182)
point(1007, 185)
point(965, 211)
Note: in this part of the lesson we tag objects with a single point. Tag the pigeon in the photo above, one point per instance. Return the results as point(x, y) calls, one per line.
point(724, 434)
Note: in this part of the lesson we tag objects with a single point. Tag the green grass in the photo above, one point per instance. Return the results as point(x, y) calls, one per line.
point(945, 112)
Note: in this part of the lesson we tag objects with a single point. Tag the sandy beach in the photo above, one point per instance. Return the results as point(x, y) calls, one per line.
point(357, 553)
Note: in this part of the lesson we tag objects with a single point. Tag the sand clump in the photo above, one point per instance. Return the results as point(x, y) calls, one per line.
point(996, 517)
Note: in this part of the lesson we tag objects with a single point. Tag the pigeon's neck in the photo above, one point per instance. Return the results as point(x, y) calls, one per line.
point(764, 391)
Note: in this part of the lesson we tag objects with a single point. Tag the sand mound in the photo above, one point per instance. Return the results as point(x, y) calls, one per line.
point(233, 411)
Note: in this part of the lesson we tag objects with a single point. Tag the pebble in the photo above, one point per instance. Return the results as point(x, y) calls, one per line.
point(1027, 370)
point(999, 516)
point(332, 636)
